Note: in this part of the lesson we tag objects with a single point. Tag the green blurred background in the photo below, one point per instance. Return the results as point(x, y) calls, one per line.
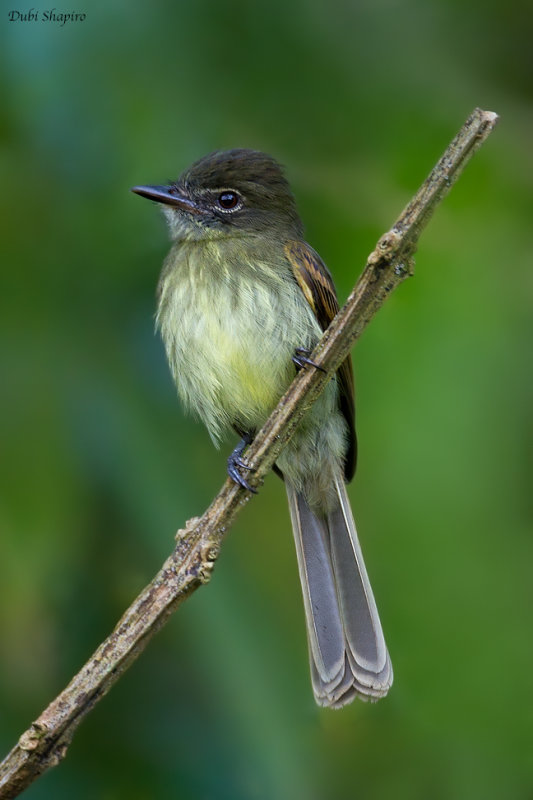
point(99, 466)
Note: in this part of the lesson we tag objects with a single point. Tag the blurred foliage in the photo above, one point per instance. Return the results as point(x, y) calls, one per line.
point(99, 466)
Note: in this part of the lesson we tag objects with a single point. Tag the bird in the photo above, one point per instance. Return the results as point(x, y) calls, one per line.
point(242, 300)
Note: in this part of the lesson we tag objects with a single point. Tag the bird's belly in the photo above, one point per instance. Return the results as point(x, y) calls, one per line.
point(232, 360)
point(248, 368)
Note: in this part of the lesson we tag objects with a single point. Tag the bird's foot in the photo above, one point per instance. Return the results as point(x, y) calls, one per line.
point(301, 358)
point(236, 463)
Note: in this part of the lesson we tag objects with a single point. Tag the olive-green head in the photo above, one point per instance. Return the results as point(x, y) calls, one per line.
point(229, 193)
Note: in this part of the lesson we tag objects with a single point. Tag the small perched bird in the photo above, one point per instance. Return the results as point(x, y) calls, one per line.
point(242, 302)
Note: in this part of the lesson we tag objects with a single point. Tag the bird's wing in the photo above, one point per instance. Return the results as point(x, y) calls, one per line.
point(316, 283)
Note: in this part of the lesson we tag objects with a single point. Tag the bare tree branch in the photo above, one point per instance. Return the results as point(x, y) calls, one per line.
point(45, 743)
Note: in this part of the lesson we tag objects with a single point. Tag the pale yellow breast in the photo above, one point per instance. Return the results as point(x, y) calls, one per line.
point(230, 341)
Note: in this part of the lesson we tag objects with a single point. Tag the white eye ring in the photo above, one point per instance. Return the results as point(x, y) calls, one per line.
point(228, 201)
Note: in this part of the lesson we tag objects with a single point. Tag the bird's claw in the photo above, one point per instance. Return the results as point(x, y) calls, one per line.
point(301, 358)
point(236, 463)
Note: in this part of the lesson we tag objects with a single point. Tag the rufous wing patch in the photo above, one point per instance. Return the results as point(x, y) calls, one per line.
point(316, 283)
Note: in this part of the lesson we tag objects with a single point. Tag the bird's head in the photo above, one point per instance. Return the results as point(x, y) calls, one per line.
point(228, 193)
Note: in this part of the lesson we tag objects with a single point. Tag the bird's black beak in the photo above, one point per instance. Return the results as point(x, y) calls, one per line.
point(168, 195)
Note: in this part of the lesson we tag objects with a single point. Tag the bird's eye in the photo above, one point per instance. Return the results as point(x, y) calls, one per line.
point(228, 200)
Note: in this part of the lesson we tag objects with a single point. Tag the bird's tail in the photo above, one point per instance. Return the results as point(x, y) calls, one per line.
point(346, 645)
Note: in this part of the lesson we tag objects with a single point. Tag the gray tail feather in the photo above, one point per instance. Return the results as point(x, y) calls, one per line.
point(346, 645)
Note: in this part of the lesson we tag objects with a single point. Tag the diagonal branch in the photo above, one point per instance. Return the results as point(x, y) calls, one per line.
point(190, 564)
